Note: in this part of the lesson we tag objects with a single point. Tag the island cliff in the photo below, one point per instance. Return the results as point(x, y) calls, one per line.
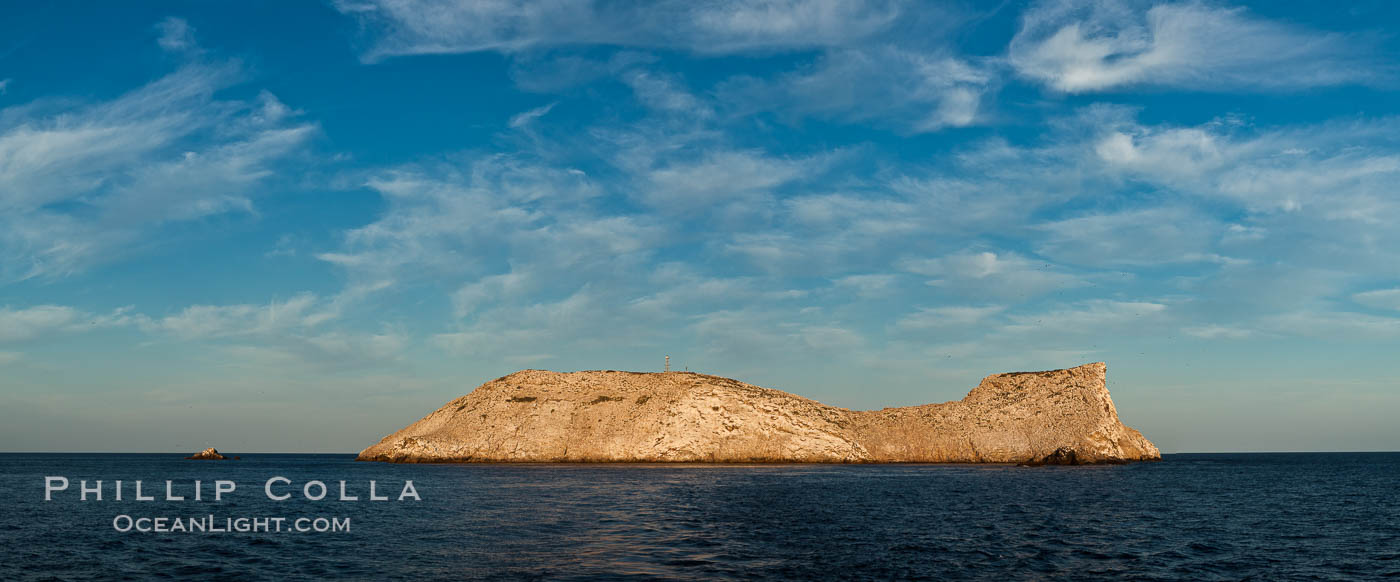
point(1052, 417)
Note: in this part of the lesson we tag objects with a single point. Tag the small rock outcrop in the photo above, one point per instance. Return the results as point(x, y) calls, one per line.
point(1052, 417)
point(208, 454)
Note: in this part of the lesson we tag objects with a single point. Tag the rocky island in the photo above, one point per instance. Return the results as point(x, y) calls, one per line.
point(208, 454)
point(1051, 417)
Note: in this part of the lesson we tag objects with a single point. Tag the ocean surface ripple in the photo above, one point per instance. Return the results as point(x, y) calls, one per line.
point(1290, 516)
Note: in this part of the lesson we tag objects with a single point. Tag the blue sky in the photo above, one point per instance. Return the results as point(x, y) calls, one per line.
point(274, 226)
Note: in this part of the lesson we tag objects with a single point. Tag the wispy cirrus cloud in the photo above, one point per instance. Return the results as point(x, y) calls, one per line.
point(909, 91)
point(1265, 170)
point(1158, 235)
point(410, 27)
point(950, 316)
point(295, 334)
point(1316, 194)
point(1084, 46)
point(857, 69)
point(468, 220)
point(1387, 299)
point(207, 321)
point(808, 194)
point(491, 231)
point(176, 35)
point(717, 177)
point(1218, 332)
point(992, 274)
point(18, 325)
point(1091, 317)
point(1331, 324)
point(525, 118)
point(28, 323)
point(81, 183)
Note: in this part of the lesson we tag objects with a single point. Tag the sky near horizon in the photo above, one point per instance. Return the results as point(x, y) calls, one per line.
point(272, 226)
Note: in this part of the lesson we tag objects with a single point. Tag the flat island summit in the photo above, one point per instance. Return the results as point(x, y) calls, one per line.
point(1054, 417)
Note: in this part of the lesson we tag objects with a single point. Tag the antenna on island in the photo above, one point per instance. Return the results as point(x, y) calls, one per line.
point(668, 363)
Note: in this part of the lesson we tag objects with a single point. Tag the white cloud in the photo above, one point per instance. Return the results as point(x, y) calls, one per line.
point(408, 27)
point(986, 273)
point(467, 220)
point(683, 186)
point(782, 252)
point(848, 212)
point(828, 338)
point(935, 317)
point(1321, 323)
point(1265, 171)
point(1153, 236)
point(1388, 299)
point(1217, 332)
point(872, 221)
point(377, 346)
point(743, 334)
point(677, 290)
point(19, 325)
point(490, 231)
point(1080, 46)
point(471, 296)
point(1165, 154)
point(870, 285)
point(291, 354)
point(176, 35)
point(4, 86)
point(288, 336)
point(166, 152)
point(909, 91)
point(1092, 316)
point(678, 234)
point(1357, 179)
point(527, 117)
point(1104, 191)
point(552, 72)
point(862, 70)
point(468, 343)
point(665, 93)
point(766, 24)
point(204, 321)
point(522, 249)
point(522, 325)
point(24, 324)
point(1313, 195)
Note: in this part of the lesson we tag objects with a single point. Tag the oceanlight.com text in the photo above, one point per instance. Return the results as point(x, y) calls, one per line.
point(210, 524)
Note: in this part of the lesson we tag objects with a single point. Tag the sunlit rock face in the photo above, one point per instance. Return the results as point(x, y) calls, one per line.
point(208, 454)
point(1052, 417)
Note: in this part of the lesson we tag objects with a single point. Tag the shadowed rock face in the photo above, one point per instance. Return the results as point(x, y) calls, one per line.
point(1053, 417)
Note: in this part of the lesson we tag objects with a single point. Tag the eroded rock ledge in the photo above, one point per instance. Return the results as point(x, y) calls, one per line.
point(1051, 417)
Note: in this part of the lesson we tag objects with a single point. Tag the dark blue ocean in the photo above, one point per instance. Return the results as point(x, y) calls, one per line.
point(1189, 517)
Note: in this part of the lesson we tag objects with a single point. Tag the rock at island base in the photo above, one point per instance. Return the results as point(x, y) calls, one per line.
point(1061, 456)
point(1052, 417)
point(208, 454)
